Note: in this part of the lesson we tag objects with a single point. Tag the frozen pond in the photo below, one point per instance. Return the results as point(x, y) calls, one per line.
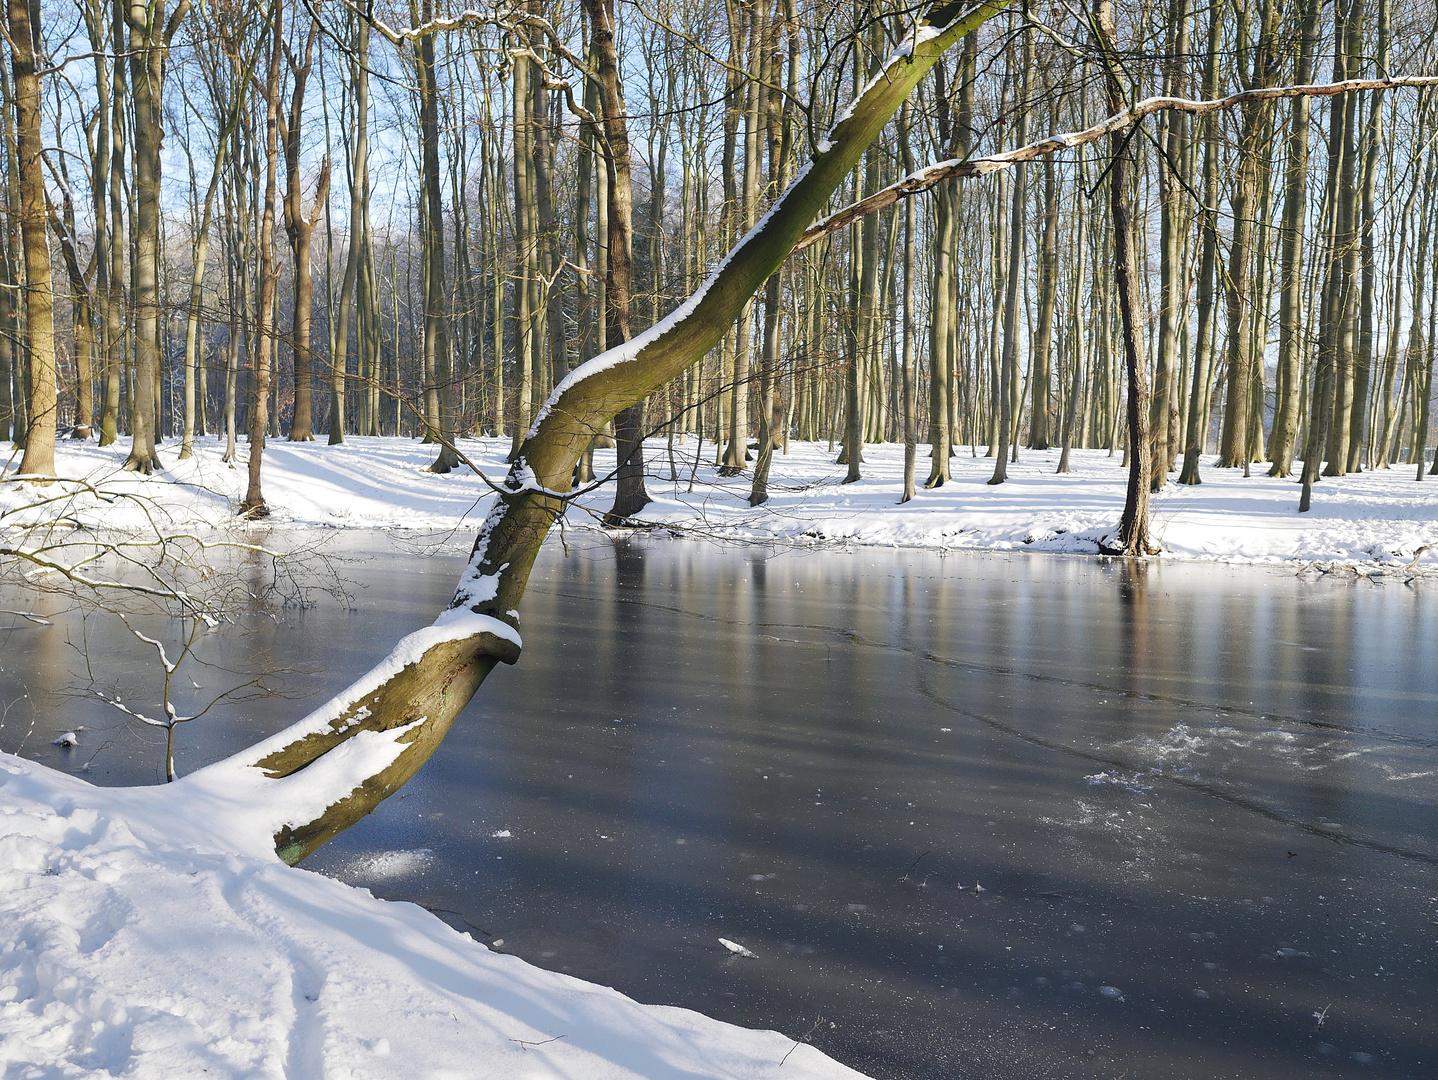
point(998, 816)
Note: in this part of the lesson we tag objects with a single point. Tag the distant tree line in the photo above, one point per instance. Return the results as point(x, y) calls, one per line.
point(295, 217)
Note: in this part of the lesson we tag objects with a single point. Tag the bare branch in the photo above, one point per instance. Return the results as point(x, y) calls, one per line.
point(918, 182)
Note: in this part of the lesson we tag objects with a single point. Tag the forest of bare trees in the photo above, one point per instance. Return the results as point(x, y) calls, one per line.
point(302, 218)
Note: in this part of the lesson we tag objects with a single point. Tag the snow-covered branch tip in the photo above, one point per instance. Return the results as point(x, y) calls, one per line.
point(918, 182)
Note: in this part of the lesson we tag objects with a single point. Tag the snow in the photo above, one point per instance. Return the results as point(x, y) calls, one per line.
point(152, 932)
point(1377, 518)
point(133, 943)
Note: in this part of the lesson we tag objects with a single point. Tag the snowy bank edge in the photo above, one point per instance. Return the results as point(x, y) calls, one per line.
point(128, 847)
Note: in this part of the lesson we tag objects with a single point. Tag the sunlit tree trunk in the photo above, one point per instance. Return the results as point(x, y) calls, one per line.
point(300, 229)
point(268, 274)
point(436, 322)
point(1009, 360)
point(1291, 299)
point(1238, 414)
point(23, 22)
point(149, 41)
point(1173, 275)
point(359, 186)
point(1343, 306)
point(910, 383)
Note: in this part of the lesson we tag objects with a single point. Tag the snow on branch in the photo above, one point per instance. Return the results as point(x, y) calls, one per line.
point(925, 178)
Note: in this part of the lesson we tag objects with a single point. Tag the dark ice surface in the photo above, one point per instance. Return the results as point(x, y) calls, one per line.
point(975, 815)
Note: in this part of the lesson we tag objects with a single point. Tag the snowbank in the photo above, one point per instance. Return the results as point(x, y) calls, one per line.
point(1380, 516)
point(131, 944)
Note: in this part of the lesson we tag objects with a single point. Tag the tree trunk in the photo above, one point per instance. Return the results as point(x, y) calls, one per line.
point(1041, 378)
point(1343, 311)
point(1290, 310)
point(1076, 331)
point(300, 231)
point(1196, 428)
point(1238, 415)
point(118, 359)
point(910, 383)
point(630, 496)
point(359, 188)
point(1009, 361)
point(436, 324)
point(149, 41)
point(1133, 527)
point(23, 21)
point(1173, 275)
point(254, 502)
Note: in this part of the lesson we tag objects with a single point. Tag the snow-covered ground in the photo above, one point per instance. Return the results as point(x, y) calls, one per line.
point(1380, 516)
point(135, 943)
point(140, 938)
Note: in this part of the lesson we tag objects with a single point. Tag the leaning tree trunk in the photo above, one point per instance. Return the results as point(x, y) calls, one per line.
point(397, 714)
